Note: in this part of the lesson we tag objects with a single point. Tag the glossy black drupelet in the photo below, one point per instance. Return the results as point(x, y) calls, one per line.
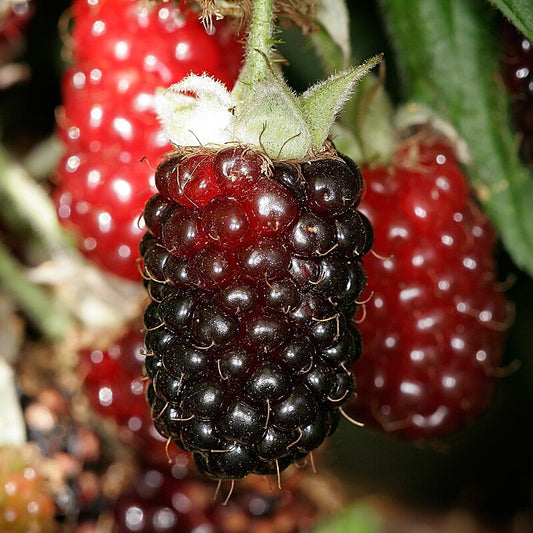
point(254, 270)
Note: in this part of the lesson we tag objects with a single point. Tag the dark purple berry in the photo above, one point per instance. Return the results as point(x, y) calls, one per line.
point(265, 331)
point(211, 326)
point(251, 340)
point(298, 354)
point(211, 267)
point(312, 235)
point(238, 297)
point(180, 359)
point(243, 422)
point(202, 399)
point(355, 235)
point(268, 383)
point(181, 234)
point(154, 211)
point(166, 177)
point(265, 259)
point(290, 176)
point(296, 410)
point(225, 221)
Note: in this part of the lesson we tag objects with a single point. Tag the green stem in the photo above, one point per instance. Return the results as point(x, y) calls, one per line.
point(259, 50)
point(37, 303)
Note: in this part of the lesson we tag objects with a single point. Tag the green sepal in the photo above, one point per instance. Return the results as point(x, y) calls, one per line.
point(261, 110)
point(322, 102)
point(274, 121)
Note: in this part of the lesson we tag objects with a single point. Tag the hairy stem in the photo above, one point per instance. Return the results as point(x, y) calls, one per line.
point(259, 50)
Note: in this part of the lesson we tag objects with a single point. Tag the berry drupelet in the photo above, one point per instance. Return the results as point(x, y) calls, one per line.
point(254, 268)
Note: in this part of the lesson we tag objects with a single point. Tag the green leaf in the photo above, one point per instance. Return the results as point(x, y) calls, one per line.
point(519, 12)
point(324, 100)
point(448, 57)
point(357, 519)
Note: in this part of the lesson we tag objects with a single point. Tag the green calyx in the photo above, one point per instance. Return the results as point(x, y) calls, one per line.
point(261, 111)
point(289, 126)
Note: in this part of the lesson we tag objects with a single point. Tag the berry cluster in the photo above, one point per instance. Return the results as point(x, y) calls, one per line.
point(434, 323)
point(253, 268)
point(122, 51)
point(517, 73)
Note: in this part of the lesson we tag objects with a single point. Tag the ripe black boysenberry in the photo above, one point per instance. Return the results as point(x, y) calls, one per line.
point(254, 268)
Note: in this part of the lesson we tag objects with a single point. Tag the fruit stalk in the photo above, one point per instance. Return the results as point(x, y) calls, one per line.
point(258, 51)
